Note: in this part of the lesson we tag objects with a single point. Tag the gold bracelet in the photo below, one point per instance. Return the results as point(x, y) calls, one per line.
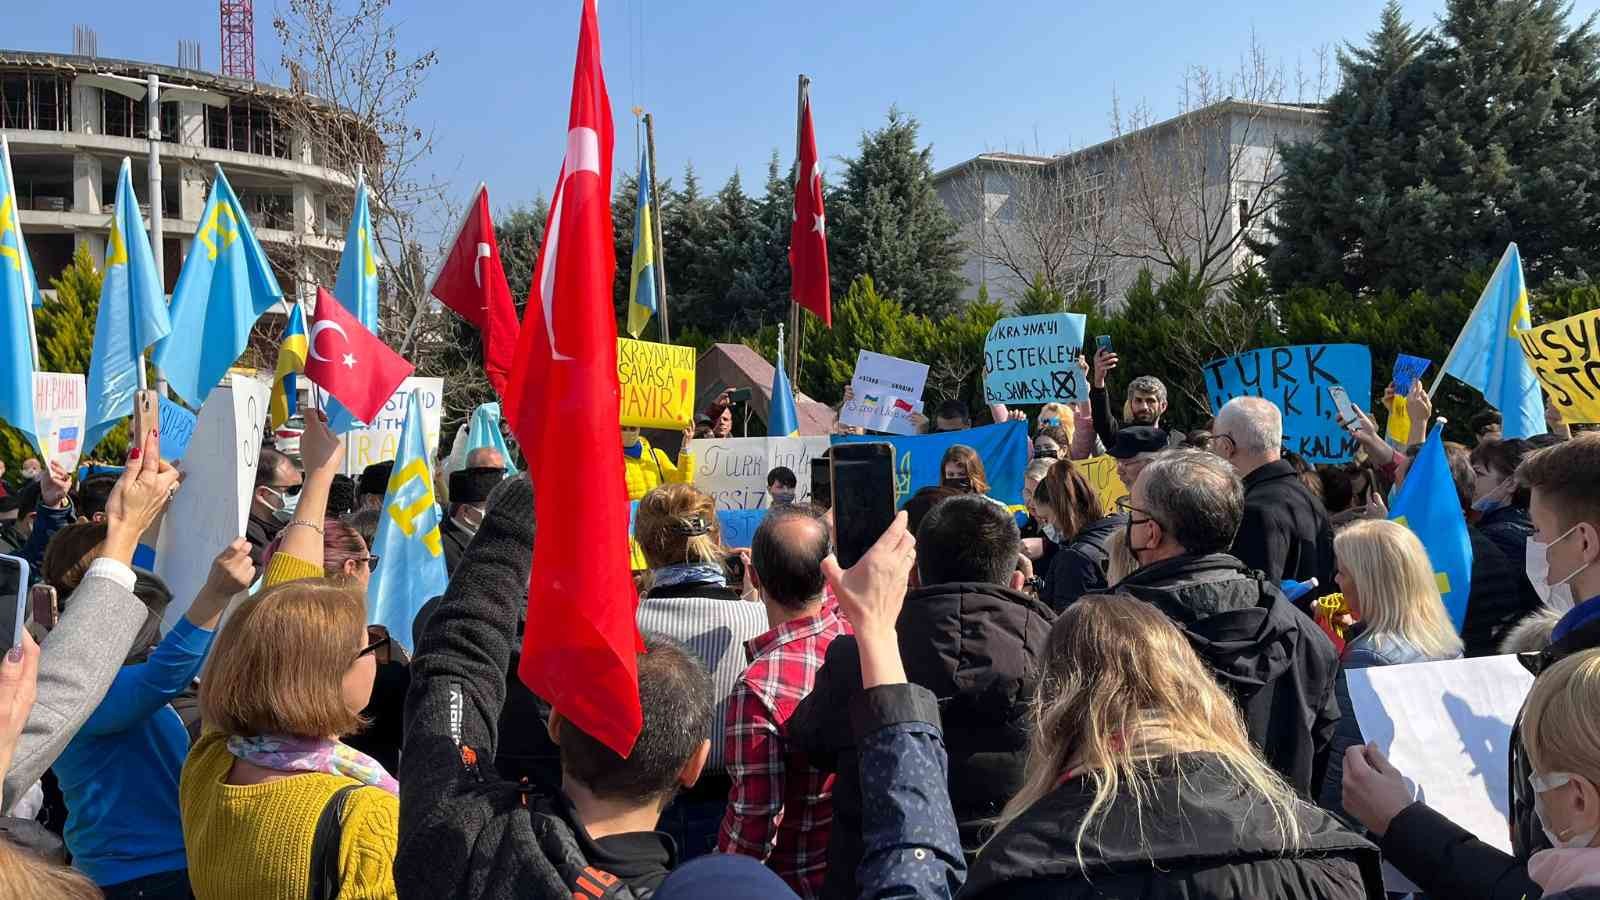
point(302, 522)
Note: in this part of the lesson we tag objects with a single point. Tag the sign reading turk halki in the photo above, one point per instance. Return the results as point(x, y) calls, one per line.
point(1296, 380)
point(1034, 359)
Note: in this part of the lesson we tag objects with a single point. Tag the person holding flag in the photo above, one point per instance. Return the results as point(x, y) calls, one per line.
point(356, 288)
point(410, 552)
point(1428, 504)
point(642, 281)
point(19, 294)
point(1488, 356)
point(356, 369)
point(472, 283)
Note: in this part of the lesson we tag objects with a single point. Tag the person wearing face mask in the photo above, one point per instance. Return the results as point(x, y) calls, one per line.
point(1562, 738)
point(273, 501)
point(1070, 516)
point(647, 468)
point(782, 486)
point(469, 497)
point(1053, 442)
point(1500, 504)
point(31, 470)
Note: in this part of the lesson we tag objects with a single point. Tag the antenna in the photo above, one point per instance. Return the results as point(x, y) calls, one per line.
point(239, 39)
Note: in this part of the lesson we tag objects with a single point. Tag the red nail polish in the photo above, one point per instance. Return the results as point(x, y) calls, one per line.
point(134, 454)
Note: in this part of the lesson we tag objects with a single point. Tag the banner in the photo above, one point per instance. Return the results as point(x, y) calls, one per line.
point(1004, 449)
point(60, 411)
point(379, 440)
point(888, 392)
point(733, 471)
point(1034, 359)
point(657, 382)
point(1101, 473)
point(177, 429)
point(1565, 357)
point(739, 527)
point(1296, 380)
point(213, 502)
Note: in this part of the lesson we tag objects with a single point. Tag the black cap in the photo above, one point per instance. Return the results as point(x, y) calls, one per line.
point(375, 478)
point(1137, 439)
point(473, 485)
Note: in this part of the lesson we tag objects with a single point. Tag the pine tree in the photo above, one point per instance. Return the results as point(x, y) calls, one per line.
point(687, 236)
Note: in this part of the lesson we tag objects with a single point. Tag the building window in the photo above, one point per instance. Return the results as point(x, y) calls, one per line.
point(247, 128)
point(37, 102)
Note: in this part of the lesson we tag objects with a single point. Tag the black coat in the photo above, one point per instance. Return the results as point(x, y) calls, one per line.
point(977, 647)
point(1285, 532)
point(1495, 602)
point(1277, 663)
point(1080, 567)
point(1202, 835)
point(455, 542)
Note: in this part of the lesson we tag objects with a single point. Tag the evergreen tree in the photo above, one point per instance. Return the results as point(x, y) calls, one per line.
point(774, 219)
point(688, 233)
point(519, 231)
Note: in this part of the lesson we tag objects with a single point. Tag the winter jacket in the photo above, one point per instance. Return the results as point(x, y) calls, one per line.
point(1285, 532)
point(1495, 602)
point(465, 831)
point(1080, 567)
point(1202, 835)
point(1106, 425)
point(455, 540)
point(260, 532)
point(977, 647)
point(651, 469)
point(1509, 527)
point(1277, 663)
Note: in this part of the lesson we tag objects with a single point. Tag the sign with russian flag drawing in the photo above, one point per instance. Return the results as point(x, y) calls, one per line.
point(886, 392)
point(60, 407)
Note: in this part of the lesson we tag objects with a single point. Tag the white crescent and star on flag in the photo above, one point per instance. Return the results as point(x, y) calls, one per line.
point(348, 360)
point(583, 155)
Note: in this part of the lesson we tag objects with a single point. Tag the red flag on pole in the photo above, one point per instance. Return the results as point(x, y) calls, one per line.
point(349, 362)
point(581, 645)
point(473, 283)
point(808, 237)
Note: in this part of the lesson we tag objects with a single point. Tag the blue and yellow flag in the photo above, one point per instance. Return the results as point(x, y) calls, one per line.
point(1428, 504)
point(409, 547)
point(485, 432)
point(642, 284)
point(1488, 356)
point(133, 315)
point(225, 286)
point(356, 287)
point(285, 400)
point(782, 419)
point(19, 291)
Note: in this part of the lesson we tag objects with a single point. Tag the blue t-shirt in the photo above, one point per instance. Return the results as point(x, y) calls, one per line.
point(1578, 616)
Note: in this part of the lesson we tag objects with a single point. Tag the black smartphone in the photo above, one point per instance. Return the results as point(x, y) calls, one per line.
point(863, 498)
point(46, 608)
point(821, 483)
point(734, 563)
point(1103, 342)
point(742, 395)
point(13, 599)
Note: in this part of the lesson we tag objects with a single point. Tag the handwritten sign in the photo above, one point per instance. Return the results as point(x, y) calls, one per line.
point(739, 526)
point(887, 393)
point(1034, 359)
point(379, 441)
point(1296, 380)
point(177, 429)
point(733, 471)
point(657, 382)
point(1565, 356)
point(1101, 473)
point(1407, 369)
point(59, 410)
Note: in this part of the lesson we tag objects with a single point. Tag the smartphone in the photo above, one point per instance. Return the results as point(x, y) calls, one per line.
point(1341, 402)
point(1103, 342)
point(742, 395)
point(46, 608)
point(821, 483)
point(146, 416)
point(13, 599)
point(863, 498)
point(734, 563)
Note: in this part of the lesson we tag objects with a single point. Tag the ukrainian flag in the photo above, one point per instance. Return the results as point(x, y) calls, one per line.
point(782, 419)
point(1428, 505)
point(642, 285)
point(1488, 356)
point(356, 287)
point(19, 290)
point(285, 400)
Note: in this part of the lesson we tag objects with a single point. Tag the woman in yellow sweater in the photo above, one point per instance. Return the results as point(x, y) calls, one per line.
point(648, 468)
point(290, 672)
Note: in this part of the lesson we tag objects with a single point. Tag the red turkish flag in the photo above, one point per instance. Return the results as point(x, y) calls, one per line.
point(581, 644)
point(808, 236)
point(473, 283)
point(349, 362)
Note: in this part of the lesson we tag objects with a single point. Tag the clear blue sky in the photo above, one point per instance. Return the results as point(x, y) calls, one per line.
point(719, 75)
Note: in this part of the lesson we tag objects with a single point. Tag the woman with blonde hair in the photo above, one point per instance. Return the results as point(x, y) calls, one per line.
point(1141, 773)
point(1390, 587)
point(1562, 737)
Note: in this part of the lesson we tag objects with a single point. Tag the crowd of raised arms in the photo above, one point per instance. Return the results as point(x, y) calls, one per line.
point(1089, 699)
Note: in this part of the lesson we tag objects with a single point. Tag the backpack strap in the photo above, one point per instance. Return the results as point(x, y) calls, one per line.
point(325, 879)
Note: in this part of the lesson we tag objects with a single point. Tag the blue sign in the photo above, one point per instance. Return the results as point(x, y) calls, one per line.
point(177, 427)
point(1407, 369)
point(917, 458)
point(1296, 380)
point(1034, 359)
point(739, 526)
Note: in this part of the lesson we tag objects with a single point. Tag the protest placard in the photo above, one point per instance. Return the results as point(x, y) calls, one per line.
point(1034, 359)
point(657, 382)
point(213, 503)
point(177, 429)
point(1407, 369)
point(1565, 356)
point(733, 471)
point(887, 393)
point(917, 459)
point(739, 525)
point(379, 441)
point(59, 410)
point(1101, 473)
point(1296, 380)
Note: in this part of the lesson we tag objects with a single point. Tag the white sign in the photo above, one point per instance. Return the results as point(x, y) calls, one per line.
point(380, 440)
point(213, 503)
point(888, 392)
point(1447, 727)
point(733, 471)
point(60, 409)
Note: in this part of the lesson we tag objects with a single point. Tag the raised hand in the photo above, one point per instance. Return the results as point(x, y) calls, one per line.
point(321, 451)
point(1104, 362)
point(146, 487)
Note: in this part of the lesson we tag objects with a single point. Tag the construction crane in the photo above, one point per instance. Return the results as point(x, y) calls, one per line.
point(239, 39)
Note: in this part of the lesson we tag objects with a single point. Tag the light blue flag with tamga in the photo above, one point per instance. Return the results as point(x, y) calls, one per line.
point(410, 551)
point(1427, 503)
point(484, 431)
point(356, 287)
point(1488, 356)
point(19, 291)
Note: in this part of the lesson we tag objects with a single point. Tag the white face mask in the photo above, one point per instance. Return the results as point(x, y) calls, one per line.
point(1543, 784)
point(1556, 596)
point(1051, 533)
point(288, 503)
point(470, 518)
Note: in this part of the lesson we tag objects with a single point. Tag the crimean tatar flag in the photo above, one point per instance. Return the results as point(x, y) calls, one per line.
point(1488, 356)
point(19, 290)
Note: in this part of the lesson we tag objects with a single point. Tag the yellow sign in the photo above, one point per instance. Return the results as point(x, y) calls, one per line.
point(1565, 355)
point(1399, 430)
point(1101, 471)
point(657, 382)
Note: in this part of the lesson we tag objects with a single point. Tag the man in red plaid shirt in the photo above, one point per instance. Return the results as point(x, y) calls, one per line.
point(780, 808)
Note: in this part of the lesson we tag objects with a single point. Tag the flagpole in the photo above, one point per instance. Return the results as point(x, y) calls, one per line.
point(796, 320)
point(28, 287)
point(660, 266)
point(157, 226)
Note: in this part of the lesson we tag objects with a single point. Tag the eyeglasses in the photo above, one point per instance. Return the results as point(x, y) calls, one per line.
point(375, 646)
point(287, 490)
point(1123, 506)
point(372, 562)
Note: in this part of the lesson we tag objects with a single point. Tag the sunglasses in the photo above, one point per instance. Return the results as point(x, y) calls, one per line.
point(287, 490)
point(375, 646)
point(372, 562)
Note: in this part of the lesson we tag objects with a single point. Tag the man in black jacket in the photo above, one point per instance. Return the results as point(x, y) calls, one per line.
point(466, 832)
point(1285, 531)
point(969, 635)
point(469, 497)
point(1147, 403)
point(1278, 664)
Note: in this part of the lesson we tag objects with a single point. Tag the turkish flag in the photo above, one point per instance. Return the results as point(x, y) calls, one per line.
point(473, 283)
point(349, 362)
point(808, 235)
point(580, 649)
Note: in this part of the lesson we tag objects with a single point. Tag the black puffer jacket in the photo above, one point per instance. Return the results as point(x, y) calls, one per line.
point(1202, 835)
point(1495, 602)
point(1285, 531)
point(977, 647)
point(1079, 568)
point(1278, 664)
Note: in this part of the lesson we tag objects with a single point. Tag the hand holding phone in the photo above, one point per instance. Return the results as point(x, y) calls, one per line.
point(1103, 342)
point(13, 599)
point(1341, 402)
point(863, 497)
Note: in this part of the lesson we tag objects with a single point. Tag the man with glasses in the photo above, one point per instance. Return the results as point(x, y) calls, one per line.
point(273, 502)
point(1280, 667)
point(1133, 448)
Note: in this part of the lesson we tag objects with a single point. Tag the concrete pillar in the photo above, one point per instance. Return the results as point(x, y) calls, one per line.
point(96, 244)
point(86, 107)
point(306, 209)
point(191, 124)
point(191, 192)
point(87, 181)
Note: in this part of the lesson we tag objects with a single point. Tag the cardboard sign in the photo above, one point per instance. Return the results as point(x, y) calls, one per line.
point(1407, 369)
point(379, 441)
point(1565, 356)
point(213, 503)
point(733, 471)
point(1296, 380)
point(1034, 359)
point(739, 526)
point(1101, 473)
point(177, 429)
point(1004, 449)
point(888, 392)
point(60, 408)
point(657, 382)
